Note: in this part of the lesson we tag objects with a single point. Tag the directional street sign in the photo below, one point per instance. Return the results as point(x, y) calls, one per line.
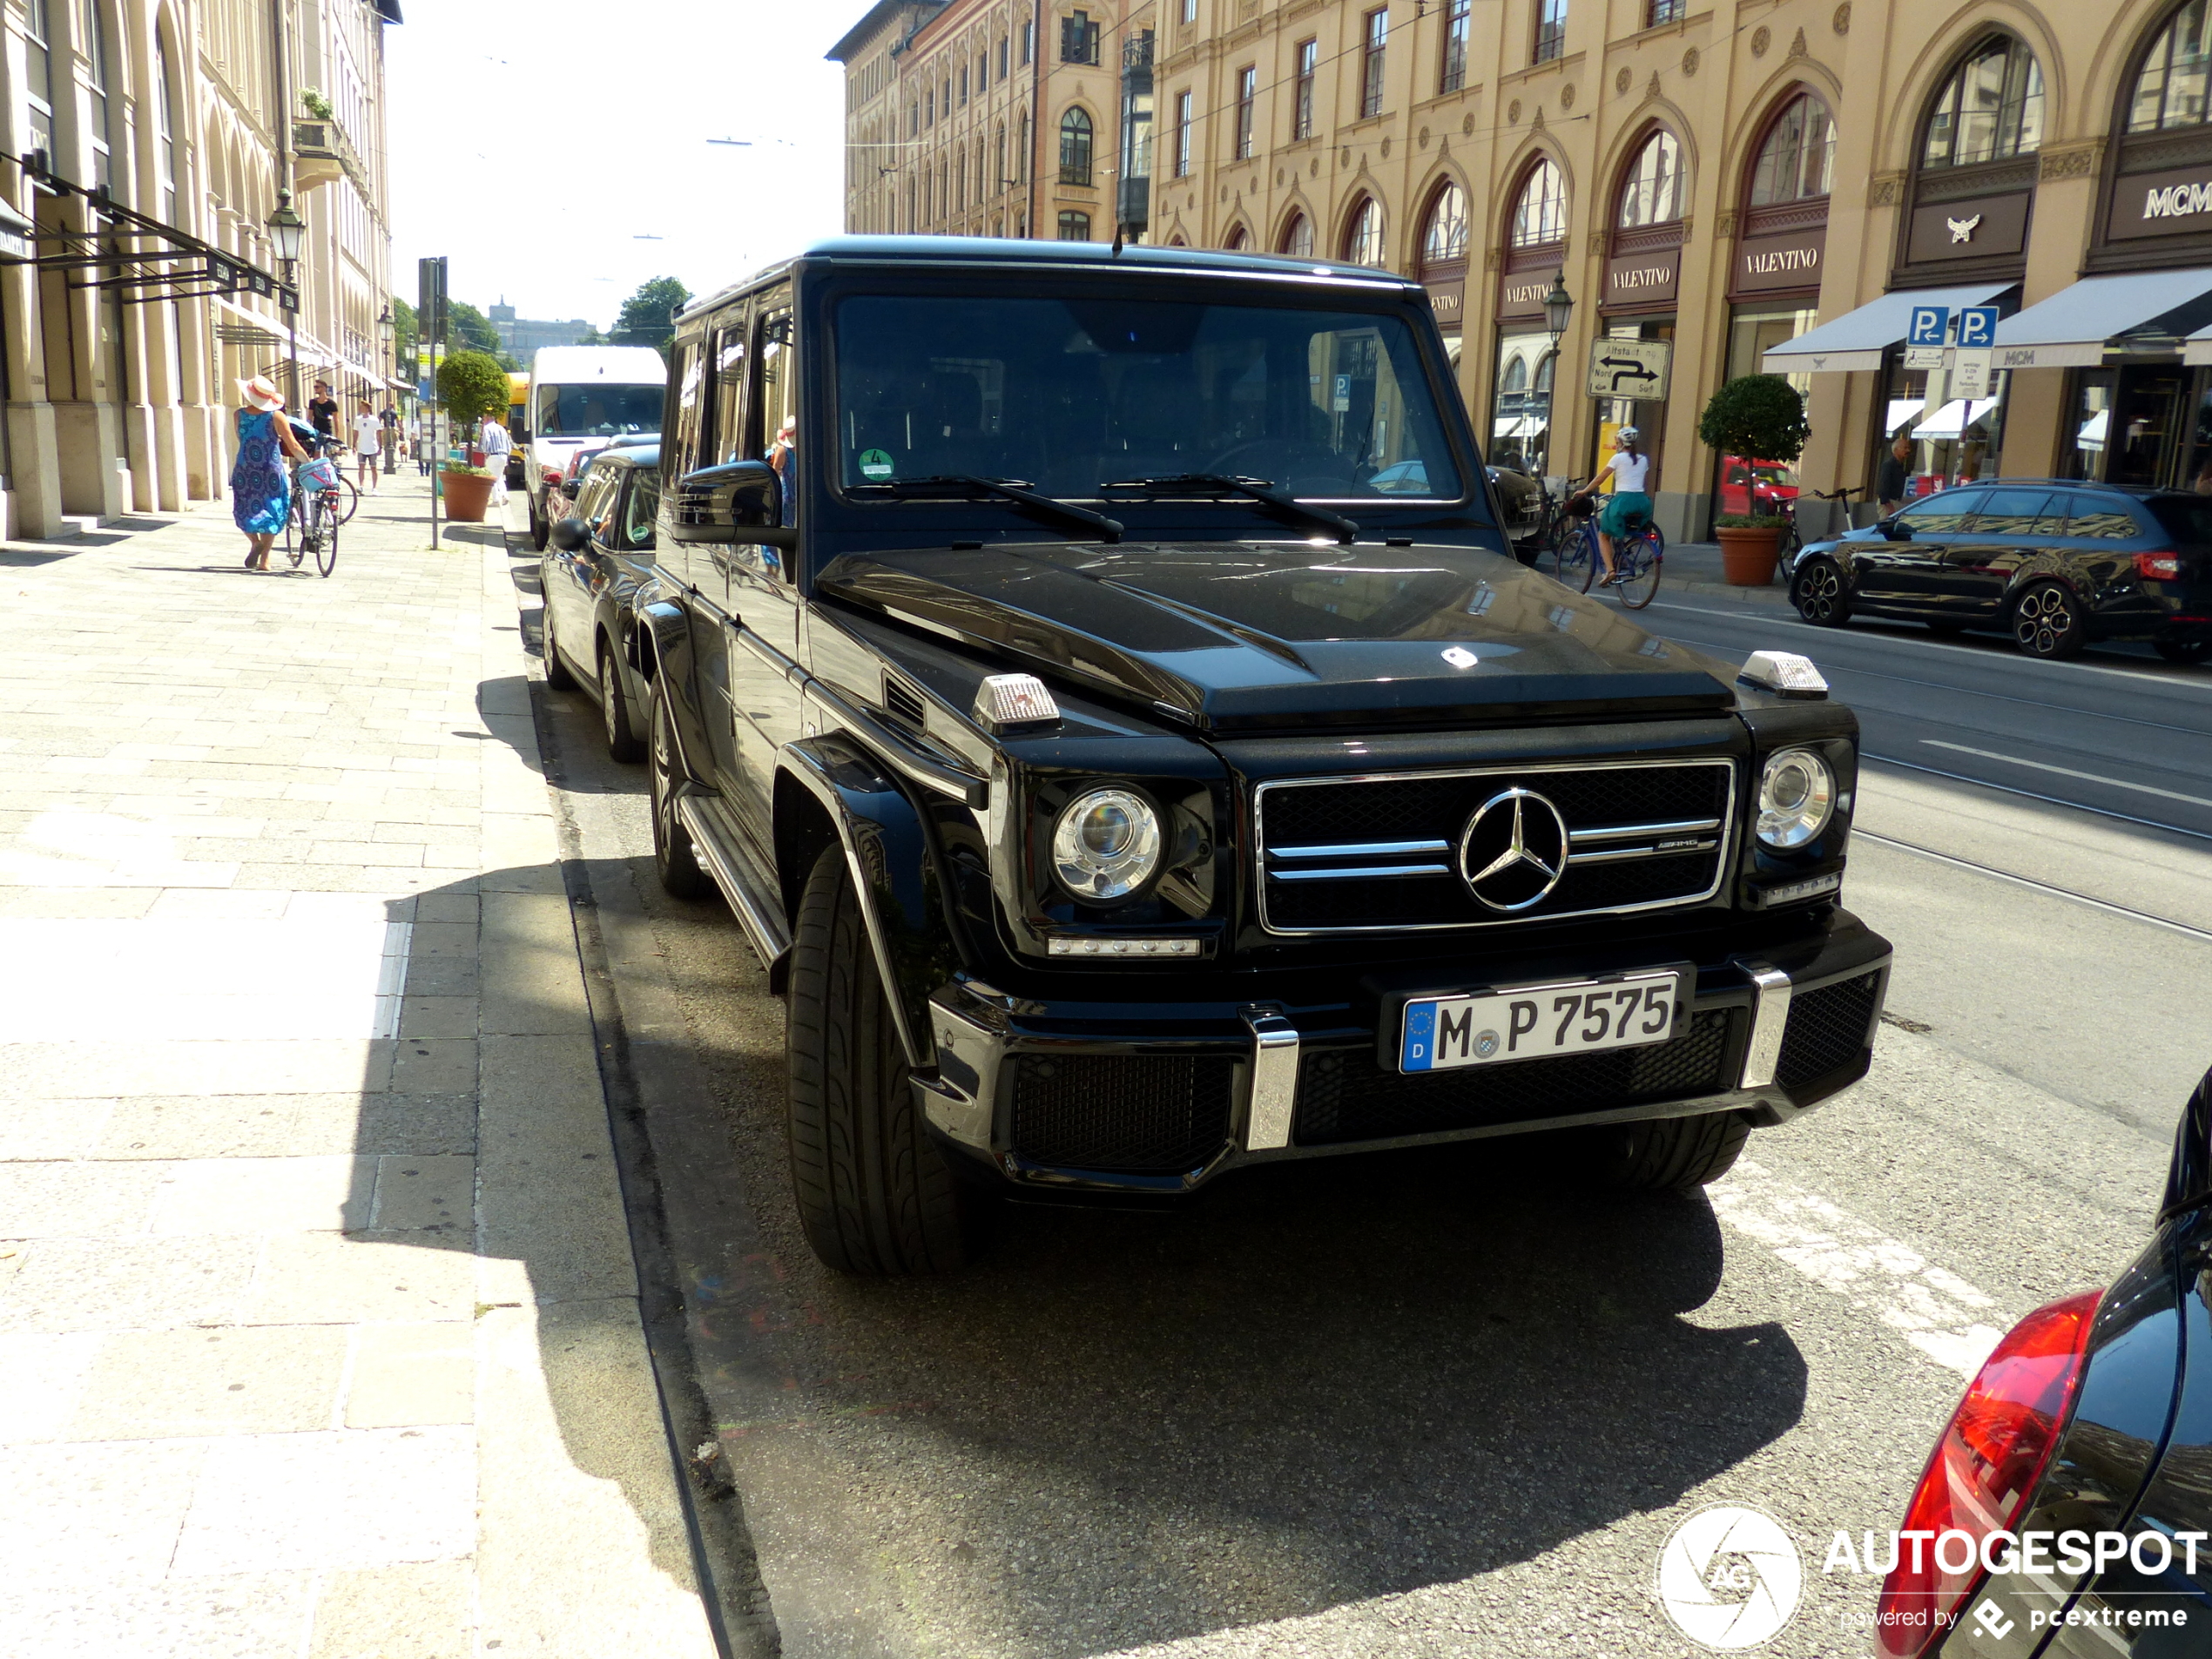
point(1630, 368)
point(1977, 328)
point(1930, 326)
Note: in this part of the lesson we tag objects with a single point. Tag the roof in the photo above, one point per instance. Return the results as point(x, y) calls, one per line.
point(1017, 254)
point(857, 37)
point(617, 365)
point(629, 455)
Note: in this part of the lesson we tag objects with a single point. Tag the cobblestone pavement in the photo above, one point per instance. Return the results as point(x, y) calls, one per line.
point(318, 1330)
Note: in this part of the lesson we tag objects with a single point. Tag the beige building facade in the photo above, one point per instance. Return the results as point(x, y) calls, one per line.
point(1760, 185)
point(138, 275)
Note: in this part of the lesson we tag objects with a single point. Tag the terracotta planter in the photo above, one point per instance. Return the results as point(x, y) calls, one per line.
point(1747, 557)
point(466, 497)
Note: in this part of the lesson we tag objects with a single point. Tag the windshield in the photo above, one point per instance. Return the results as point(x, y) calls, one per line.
point(597, 411)
point(1070, 394)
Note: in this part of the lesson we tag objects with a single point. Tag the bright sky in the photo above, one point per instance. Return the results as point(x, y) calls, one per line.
point(593, 133)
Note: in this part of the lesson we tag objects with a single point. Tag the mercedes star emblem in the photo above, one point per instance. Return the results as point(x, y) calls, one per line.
point(1513, 850)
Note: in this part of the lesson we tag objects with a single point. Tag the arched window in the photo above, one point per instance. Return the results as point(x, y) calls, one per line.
point(1237, 238)
point(1516, 378)
point(1799, 154)
point(1655, 190)
point(1991, 108)
point(1074, 227)
point(1363, 239)
point(1075, 150)
point(1298, 236)
point(1446, 237)
point(2171, 89)
point(1540, 213)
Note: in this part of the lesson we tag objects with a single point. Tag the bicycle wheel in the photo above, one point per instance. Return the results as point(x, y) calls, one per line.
point(349, 498)
point(1641, 557)
point(327, 547)
point(1569, 548)
point(294, 543)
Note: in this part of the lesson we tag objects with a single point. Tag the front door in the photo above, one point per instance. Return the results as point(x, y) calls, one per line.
point(2013, 525)
point(763, 590)
point(1906, 574)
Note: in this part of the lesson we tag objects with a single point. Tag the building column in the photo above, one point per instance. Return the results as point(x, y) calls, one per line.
point(87, 431)
point(199, 391)
point(34, 467)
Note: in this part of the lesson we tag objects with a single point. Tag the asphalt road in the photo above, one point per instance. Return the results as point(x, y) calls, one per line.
point(1453, 1403)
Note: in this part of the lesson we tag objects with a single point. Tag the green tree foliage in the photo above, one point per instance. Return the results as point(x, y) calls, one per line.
point(407, 329)
point(468, 329)
point(471, 385)
point(645, 319)
point(1759, 416)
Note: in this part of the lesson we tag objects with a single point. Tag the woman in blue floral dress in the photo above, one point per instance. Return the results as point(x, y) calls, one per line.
point(260, 482)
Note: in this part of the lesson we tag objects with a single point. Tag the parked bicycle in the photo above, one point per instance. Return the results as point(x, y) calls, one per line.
point(1792, 541)
point(1638, 557)
point(312, 525)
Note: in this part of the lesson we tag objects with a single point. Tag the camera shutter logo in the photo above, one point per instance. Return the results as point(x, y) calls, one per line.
point(1729, 1577)
point(1513, 850)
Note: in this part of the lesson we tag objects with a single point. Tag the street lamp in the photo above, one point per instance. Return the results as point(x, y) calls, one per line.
point(1559, 307)
point(286, 229)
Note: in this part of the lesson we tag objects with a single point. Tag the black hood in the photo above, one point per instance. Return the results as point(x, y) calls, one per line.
point(1244, 636)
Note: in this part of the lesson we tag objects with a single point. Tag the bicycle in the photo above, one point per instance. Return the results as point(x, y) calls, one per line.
point(1793, 541)
point(1638, 557)
point(312, 525)
point(349, 494)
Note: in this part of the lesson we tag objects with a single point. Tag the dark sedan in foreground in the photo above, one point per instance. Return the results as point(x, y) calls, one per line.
point(2067, 1510)
point(2055, 563)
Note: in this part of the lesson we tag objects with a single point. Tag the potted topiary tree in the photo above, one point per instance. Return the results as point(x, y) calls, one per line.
point(1756, 417)
point(471, 385)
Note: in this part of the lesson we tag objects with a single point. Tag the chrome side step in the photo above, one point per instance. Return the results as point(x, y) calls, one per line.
point(750, 887)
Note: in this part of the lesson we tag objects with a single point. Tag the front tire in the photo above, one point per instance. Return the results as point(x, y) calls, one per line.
point(541, 527)
point(1672, 1154)
point(623, 743)
point(1819, 594)
point(876, 1196)
point(676, 862)
point(2047, 623)
point(557, 677)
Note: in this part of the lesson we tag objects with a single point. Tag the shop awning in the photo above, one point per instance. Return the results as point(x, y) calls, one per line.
point(2075, 327)
point(1952, 419)
point(2091, 435)
point(1901, 411)
point(1858, 339)
point(2197, 348)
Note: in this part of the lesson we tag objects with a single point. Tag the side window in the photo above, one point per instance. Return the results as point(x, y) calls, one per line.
point(2013, 512)
point(774, 425)
point(729, 390)
point(688, 386)
point(1943, 514)
point(548, 411)
point(638, 512)
point(591, 495)
point(2103, 518)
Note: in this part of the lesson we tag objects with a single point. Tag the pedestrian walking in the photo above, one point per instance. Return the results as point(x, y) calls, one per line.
point(1889, 482)
point(260, 482)
point(389, 439)
point(368, 442)
point(497, 445)
point(322, 413)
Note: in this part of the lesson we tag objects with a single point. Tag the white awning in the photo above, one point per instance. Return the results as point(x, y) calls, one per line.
point(1858, 339)
point(1952, 419)
point(2091, 435)
point(2073, 327)
point(2197, 348)
point(1902, 409)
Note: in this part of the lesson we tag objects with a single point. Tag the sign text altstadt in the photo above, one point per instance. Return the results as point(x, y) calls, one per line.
point(1630, 368)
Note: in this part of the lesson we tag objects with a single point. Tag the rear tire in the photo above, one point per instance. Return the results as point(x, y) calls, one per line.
point(541, 528)
point(557, 677)
point(1820, 595)
point(2047, 623)
point(1672, 1154)
point(675, 861)
point(623, 743)
point(876, 1196)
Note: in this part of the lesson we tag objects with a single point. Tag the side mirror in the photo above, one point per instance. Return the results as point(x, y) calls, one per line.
point(1896, 529)
point(569, 535)
point(739, 501)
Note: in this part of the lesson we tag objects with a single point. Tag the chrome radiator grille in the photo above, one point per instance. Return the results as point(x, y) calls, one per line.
point(1388, 853)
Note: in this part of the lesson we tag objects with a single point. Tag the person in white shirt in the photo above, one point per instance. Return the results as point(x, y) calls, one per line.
point(1629, 508)
point(368, 444)
point(496, 443)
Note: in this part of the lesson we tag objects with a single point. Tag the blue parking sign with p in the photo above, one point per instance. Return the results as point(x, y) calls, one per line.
point(1930, 324)
point(1977, 326)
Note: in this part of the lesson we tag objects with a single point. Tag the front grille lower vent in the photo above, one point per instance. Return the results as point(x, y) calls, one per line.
point(1141, 1113)
point(1346, 1095)
point(1368, 854)
point(1827, 1029)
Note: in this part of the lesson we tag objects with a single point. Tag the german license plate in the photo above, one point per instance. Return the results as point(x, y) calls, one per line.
point(1443, 1033)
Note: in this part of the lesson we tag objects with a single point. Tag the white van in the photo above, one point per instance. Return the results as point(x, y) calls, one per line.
point(581, 399)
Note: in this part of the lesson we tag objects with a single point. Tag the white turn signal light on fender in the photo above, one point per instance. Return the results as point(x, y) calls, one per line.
point(1782, 673)
point(1004, 700)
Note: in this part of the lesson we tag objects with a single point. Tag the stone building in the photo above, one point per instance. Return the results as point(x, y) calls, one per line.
point(138, 275)
point(1770, 185)
point(520, 336)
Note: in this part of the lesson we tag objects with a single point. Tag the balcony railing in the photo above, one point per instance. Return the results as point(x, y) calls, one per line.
point(325, 153)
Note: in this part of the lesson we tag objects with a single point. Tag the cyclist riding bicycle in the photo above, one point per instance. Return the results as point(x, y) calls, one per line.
point(1629, 510)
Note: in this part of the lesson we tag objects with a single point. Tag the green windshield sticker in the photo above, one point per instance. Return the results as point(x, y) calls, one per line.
point(876, 463)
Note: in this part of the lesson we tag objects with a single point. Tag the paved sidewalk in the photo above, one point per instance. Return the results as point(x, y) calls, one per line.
point(319, 1326)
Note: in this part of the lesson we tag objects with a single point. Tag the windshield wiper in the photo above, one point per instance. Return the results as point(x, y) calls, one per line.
point(1258, 489)
point(1110, 530)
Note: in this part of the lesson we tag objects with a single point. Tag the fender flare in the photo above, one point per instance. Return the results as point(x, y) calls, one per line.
point(889, 854)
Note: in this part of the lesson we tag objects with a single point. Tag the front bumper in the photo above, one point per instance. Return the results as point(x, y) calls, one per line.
point(1132, 1099)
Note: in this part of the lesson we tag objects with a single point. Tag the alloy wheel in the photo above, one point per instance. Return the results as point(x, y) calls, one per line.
point(2044, 622)
point(1820, 594)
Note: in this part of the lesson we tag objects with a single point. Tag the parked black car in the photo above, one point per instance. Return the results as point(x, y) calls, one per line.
point(595, 561)
point(2094, 1416)
point(1128, 775)
point(2054, 562)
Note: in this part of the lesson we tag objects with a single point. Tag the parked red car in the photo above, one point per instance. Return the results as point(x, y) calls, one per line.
point(1757, 486)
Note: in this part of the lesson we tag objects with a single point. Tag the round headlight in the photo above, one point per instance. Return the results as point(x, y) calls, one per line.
point(1106, 845)
point(1797, 798)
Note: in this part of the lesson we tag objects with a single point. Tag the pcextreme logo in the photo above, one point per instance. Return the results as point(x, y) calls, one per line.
point(1729, 1577)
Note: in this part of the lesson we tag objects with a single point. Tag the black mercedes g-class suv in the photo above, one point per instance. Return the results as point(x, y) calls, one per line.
point(1099, 685)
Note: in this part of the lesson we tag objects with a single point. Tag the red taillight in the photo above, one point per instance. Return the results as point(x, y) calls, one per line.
point(2159, 567)
point(1983, 1468)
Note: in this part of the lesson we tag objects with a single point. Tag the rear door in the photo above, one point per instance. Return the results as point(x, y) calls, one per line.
point(2103, 532)
point(1904, 573)
point(571, 575)
point(2015, 524)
